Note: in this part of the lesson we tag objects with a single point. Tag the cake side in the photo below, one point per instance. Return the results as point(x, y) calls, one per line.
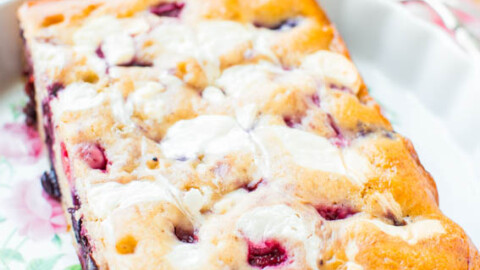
point(224, 134)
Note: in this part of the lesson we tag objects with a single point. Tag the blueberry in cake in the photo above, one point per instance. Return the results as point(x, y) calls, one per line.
point(222, 134)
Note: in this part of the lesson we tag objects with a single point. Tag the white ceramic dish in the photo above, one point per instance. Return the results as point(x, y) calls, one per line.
point(429, 88)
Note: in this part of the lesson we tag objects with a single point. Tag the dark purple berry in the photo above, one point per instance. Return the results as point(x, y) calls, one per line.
point(48, 127)
point(85, 248)
point(50, 184)
point(30, 107)
point(54, 88)
point(283, 25)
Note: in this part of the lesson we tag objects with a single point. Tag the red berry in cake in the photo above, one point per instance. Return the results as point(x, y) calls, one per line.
point(335, 212)
point(185, 235)
point(167, 9)
point(94, 156)
point(66, 162)
point(292, 121)
point(315, 98)
point(269, 253)
point(338, 139)
point(54, 88)
point(99, 52)
point(75, 199)
point(252, 187)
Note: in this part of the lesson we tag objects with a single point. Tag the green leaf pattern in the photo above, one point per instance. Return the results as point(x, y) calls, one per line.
point(74, 267)
point(43, 263)
point(7, 254)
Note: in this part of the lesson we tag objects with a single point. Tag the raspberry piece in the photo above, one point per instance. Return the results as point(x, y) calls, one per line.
point(94, 156)
point(66, 163)
point(269, 253)
point(315, 98)
point(167, 9)
point(292, 121)
point(99, 52)
point(185, 235)
point(335, 212)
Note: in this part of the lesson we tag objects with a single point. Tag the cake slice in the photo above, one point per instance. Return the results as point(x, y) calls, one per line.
point(224, 134)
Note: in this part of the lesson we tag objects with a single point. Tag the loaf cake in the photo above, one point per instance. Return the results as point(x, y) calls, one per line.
point(224, 134)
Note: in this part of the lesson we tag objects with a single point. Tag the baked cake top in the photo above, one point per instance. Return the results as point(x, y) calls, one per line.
point(229, 135)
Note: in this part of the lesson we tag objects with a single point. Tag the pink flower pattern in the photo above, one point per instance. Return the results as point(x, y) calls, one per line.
point(20, 143)
point(38, 216)
point(426, 12)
